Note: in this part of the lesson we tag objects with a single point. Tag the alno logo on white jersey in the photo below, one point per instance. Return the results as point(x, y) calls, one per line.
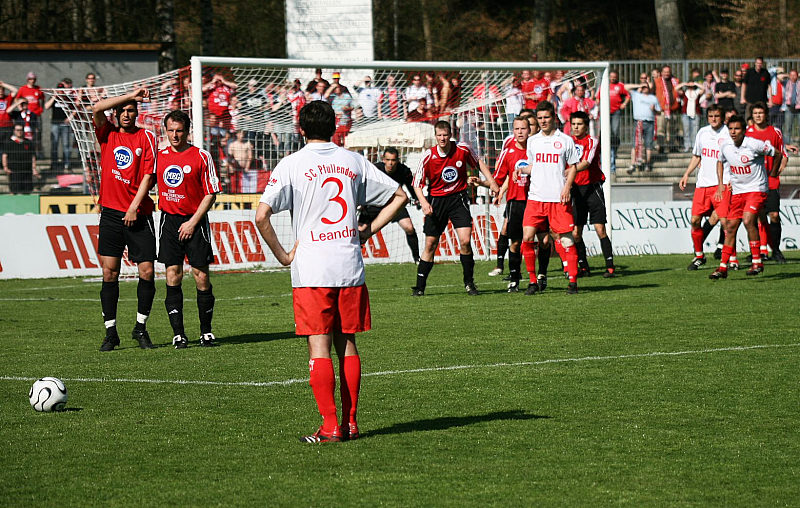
point(173, 176)
point(123, 156)
point(449, 174)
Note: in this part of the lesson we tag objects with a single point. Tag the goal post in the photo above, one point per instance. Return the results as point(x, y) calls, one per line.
point(479, 112)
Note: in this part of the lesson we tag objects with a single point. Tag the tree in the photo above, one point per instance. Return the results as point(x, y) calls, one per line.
point(165, 12)
point(670, 33)
point(539, 47)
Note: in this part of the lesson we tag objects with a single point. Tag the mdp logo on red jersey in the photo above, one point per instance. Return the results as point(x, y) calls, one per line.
point(173, 176)
point(449, 174)
point(124, 157)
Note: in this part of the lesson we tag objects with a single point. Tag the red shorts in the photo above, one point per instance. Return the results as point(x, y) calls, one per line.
point(703, 201)
point(751, 202)
point(724, 206)
point(539, 215)
point(328, 310)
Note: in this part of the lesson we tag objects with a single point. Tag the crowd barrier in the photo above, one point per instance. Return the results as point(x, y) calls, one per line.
point(65, 245)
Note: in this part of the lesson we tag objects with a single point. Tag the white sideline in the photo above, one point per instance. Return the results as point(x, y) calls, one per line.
point(288, 382)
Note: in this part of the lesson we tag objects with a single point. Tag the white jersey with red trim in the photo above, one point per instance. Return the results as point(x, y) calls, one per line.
point(549, 157)
point(748, 171)
point(323, 184)
point(707, 144)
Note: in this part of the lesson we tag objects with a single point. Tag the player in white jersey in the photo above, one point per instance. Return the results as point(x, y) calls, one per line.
point(552, 160)
point(705, 155)
point(749, 186)
point(322, 185)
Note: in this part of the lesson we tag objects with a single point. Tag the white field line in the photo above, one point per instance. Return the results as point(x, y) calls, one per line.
point(288, 382)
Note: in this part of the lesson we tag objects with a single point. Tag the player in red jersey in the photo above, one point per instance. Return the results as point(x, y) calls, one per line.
point(749, 185)
point(552, 160)
point(769, 225)
point(444, 167)
point(515, 189)
point(187, 187)
point(322, 185)
point(588, 199)
point(127, 164)
point(220, 91)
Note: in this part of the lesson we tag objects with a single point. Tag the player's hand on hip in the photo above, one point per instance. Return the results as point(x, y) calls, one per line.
point(289, 257)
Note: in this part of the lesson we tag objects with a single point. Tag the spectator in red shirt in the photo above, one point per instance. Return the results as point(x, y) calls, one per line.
point(618, 99)
point(32, 93)
point(6, 124)
point(220, 91)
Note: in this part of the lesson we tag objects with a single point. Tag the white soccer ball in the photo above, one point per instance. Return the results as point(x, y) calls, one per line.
point(48, 394)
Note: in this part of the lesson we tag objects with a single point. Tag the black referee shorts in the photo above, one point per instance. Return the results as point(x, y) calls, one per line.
point(773, 202)
point(588, 200)
point(114, 235)
point(515, 212)
point(453, 208)
point(197, 248)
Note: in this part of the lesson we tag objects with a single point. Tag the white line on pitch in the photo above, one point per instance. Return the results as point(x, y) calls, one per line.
point(288, 382)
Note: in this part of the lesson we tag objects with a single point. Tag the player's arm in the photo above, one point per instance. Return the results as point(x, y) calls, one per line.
point(720, 185)
point(689, 170)
point(10, 88)
point(777, 163)
point(100, 107)
point(744, 92)
point(566, 192)
point(5, 163)
point(484, 169)
point(398, 201)
point(144, 187)
point(264, 225)
point(187, 228)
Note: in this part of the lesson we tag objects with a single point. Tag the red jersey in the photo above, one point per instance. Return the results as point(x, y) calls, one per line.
point(5, 118)
point(34, 96)
point(775, 138)
point(184, 179)
point(446, 173)
point(508, 161)
point(125, 158)
point(219, 99)
point(297, 100)
point(392, 97)
point(616, 94)
point(538, 89)
point(588, 148)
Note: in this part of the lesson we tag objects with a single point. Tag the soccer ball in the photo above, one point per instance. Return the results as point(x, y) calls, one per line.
point(48, 394)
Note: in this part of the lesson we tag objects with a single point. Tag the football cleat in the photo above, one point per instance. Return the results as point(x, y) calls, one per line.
point(513, 286)
point(354, 434)
point(471, 289)
point(320, 437)
point(778, 257)
point(541, 280)
point(608, 273)
point(584, 272)
point(696, 263)
point(718, 274)
point(415, 291)
point(507, 278)
point(143, 338)
point(109, 343)
point(180, 342)
point(207, 340)
point(497, 271)
point(533, 288)
point(572, 288)
point(733, 265)
point(755, 270)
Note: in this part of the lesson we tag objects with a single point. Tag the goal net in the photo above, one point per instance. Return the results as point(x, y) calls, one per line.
point(245, 112)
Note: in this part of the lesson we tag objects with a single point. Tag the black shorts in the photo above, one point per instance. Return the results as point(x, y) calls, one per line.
point(369, 213)
point(515, 211)
point(453, 208)
point(114, 235)
point(773, 202)
point(588, 200)
point(197, 248)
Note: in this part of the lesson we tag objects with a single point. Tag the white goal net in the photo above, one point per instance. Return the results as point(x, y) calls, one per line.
point(245, 113)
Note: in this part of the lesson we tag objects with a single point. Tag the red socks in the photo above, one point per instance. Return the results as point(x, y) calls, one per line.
point(570, 255)
point(727, 252)
point(349, 385)
point(529, 253)
point(323, 383)
point(755, 250)
point(697, 242)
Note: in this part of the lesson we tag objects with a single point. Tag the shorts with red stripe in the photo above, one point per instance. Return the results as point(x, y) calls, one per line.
point(321, 310)
point(723, 207)
point(751, 202)
point(545, 216)
point(703, 202)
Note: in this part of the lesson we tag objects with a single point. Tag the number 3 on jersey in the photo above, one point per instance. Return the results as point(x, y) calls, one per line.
point(338, 199)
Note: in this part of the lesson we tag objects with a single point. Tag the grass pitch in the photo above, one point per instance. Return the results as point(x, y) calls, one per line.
point(658, 387)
